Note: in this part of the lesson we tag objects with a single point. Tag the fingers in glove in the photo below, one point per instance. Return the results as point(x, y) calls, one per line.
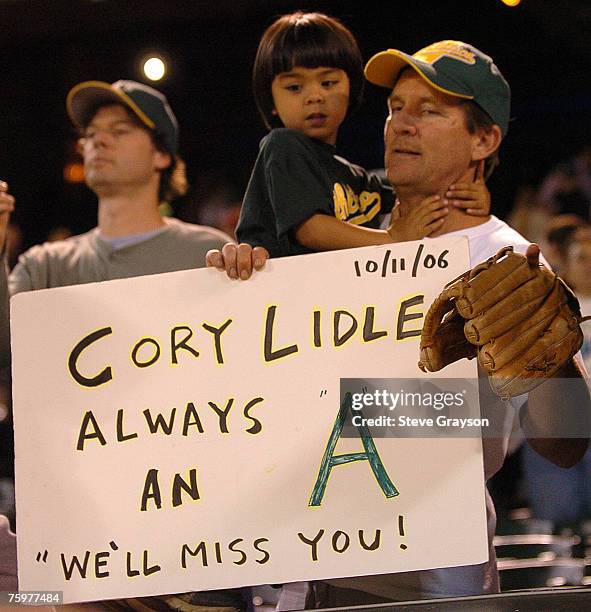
point(444, 342)
point(523, 304)
point(507, 348)
point(498, 282)
point(542, 361)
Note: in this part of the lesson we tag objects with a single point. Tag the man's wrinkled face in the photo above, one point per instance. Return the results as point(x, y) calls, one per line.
point(428, 145)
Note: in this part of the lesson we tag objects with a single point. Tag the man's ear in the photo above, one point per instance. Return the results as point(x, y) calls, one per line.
point(486, 142)
point(162, 160)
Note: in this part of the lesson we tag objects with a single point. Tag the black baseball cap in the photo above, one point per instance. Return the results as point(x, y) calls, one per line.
point(147, 104)
point(453, 67)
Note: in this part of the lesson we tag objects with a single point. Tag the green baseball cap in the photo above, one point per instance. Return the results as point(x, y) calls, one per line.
point(146, 103)
point(453, 67)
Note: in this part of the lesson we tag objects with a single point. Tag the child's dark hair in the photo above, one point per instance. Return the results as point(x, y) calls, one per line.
point(309, 40)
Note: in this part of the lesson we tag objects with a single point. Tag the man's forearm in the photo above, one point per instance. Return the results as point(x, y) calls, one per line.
point(555, 413)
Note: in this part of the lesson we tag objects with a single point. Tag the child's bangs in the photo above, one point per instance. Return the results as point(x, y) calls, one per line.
point(311, 49)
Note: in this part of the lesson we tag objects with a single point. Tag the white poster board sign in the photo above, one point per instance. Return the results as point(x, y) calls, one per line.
point(170, 429)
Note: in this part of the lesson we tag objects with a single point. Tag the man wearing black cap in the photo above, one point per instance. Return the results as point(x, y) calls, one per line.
point(127, 104)
point(129, 142)
point(448, 112)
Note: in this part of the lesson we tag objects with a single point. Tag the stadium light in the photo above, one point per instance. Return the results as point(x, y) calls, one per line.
point(154, 68)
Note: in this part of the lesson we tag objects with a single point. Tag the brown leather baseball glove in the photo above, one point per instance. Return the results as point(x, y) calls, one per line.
point(522, 321)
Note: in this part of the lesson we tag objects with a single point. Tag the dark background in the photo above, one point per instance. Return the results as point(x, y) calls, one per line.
point(47, 46)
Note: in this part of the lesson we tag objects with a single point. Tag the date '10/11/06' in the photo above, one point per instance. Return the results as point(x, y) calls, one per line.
point(393, 265)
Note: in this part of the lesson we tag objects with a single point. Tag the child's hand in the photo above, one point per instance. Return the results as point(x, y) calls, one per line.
point(426, 219)
point(237, 260)
point(474, 197)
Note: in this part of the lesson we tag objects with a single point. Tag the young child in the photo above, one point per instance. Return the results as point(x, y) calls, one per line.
point(301, 197)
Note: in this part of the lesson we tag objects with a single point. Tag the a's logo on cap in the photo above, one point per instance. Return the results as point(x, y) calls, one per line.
point(446, 48)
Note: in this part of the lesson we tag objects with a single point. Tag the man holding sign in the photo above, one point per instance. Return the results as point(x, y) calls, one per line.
point(448, 111)
point(129, 143)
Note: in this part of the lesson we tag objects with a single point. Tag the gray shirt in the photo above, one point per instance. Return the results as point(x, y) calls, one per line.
point(88, 258)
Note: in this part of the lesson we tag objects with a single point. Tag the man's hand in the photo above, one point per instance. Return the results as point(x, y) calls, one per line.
point(533, 255)
point(237, 260)
point(473, 197)
point(6, 207)
point(426, 219)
